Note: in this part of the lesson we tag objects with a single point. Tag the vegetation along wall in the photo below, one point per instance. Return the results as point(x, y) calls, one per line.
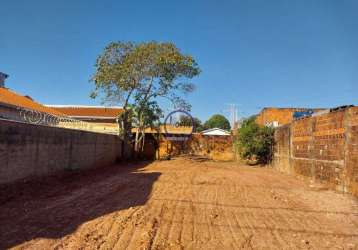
point(28, 150)
point(323, 148)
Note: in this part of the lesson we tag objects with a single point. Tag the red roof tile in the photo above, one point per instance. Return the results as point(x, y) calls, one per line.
point(9, 97)
point(88, 111)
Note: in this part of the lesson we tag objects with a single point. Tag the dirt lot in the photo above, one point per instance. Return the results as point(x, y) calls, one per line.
point(174, 205)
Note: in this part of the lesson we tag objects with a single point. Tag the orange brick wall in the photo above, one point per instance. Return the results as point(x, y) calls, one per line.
point(281, 115)
point(268, 115)
point(322, 148)
point(215, 147)
point(351, 153)
point(282, 149)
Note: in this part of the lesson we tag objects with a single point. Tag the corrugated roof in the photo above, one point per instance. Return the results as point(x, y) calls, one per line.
point(12, 98)
point(215, 129)
point(88, 111)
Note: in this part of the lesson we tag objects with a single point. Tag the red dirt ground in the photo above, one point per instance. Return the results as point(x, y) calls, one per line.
point(177, 204)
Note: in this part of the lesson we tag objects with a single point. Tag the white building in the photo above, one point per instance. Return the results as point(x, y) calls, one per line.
point(215, 131)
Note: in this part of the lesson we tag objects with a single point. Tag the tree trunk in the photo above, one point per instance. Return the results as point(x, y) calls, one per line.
point(136, 143)
point(123, 133)
point(143, 141)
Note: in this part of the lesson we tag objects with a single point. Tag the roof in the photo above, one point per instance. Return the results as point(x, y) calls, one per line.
point(82, 111)
point(215, 131)
point(12, 98)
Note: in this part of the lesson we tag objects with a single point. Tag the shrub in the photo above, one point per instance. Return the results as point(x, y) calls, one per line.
point(255, 141)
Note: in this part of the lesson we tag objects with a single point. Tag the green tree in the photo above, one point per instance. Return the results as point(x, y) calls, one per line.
point(217, 121)
point(187, 121)
point(255, 141)
point(135, 75)
point(144, 115)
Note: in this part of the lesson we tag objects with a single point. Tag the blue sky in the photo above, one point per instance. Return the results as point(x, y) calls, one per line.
point(256, 53)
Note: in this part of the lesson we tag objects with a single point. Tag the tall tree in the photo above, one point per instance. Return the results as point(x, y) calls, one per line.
point(137, 74)
point(217, 121)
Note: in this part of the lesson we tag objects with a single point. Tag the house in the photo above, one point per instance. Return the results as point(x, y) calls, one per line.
point(280, 116)
point(14, 106)
point(95, 114)
point(23, 108)
point(216, 131)
point(100, 118)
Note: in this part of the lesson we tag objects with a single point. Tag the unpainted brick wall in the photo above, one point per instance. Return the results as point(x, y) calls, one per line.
point(28, 150)
point(282, 150)
point(218, 148)
point(281, 115)
point(351, 153)
point(322, 148)
point(268, 115)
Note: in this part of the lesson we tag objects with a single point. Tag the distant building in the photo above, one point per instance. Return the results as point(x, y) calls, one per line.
point(216, 131)
point(279, 116)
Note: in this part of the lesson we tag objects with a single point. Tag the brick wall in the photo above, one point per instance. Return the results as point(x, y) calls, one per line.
point(322, 148)
point(281, 115)
point(218, 148)
point(282, 149)
point(28, 150)
point(351, 150)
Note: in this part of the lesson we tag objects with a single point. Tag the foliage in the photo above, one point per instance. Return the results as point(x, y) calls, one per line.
point(144, 115)
point(187, 121)
point(255, 141)
point(217, 121)
point(135, 75)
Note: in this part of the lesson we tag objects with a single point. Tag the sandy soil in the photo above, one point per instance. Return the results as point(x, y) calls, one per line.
point(177, 204)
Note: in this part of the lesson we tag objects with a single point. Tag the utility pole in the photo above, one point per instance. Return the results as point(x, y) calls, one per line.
point(233, 111)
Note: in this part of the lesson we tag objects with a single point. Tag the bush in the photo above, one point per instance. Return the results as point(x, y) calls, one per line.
point(255, 142)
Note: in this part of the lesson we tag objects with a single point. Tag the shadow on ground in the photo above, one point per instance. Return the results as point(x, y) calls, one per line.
point(56, 206)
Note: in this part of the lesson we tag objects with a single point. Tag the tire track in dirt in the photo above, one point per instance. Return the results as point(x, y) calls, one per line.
point(233, 227)
point(174, 233)
point(187, 235)
point(132, 229)
point(192, 206)
point(158, 211)
point(166, 218)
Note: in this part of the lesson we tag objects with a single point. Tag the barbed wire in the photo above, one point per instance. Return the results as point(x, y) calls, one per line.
point(42, 118)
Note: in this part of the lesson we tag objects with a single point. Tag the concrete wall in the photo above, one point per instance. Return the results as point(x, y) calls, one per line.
point(28, 150)
point(322, 148)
